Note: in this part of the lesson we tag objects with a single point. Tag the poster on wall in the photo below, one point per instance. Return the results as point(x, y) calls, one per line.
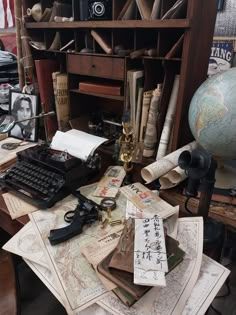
point(221, 56)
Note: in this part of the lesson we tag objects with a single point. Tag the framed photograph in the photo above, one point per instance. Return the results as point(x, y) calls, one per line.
point(24, 106)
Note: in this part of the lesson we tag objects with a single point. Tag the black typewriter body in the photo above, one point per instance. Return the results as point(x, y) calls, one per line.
point(41, 180)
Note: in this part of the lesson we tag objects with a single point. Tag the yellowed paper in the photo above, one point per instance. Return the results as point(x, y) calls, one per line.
point(96, 251)
point(109, 184)
point(147, 202)
point(75, 278)
point(25, 243)
point(10, 155)
point(164, 165)
point(17, 207)
point(172, 178)
point(166, 131)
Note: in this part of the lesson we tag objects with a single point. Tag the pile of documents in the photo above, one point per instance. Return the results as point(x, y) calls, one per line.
point(86, 273)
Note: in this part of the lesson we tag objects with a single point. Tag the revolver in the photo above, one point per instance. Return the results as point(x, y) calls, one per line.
point(86, 212)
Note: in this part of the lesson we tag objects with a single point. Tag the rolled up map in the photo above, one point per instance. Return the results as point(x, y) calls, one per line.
point(173, 178)
point(164, 165)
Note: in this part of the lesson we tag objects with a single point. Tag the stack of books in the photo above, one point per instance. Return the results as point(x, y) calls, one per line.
point(118, 266)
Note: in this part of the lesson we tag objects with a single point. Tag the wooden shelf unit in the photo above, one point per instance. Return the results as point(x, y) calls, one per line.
point(191, 63)
point(176, 23)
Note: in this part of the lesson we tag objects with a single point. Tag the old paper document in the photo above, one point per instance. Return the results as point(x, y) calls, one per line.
point(169, 120)
point(164, 165)
point(17, 207)
point(109, 184)
point(78, 143)
point(147, 201)
point(75, 278)
point(26, 244)
point(96, 250)
point(157, 301)
point(46, 277)
point(150, 258)
point(180, 281)
point(211, 278)
point(6, 156)
point(172, 178)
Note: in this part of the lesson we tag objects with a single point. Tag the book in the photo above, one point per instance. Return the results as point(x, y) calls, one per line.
point(145, 8)
point(121, 278)
point(106, 88)
point(169, 120)
point(62, 101)
point(124, 296)
point(44, 69)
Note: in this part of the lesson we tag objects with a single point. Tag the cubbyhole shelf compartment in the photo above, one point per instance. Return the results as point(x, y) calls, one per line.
point(193, 27)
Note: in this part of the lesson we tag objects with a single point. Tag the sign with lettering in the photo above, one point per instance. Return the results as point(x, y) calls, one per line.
point(221, 56)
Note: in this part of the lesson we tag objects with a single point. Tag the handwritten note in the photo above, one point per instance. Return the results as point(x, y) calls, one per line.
point(149, 244)
point(16, 206)
point(150, 256)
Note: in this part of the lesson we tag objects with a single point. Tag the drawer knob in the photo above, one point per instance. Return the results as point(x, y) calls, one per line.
point(93, 66)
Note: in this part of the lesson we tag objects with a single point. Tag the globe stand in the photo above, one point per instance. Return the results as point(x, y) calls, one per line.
point(201, 169)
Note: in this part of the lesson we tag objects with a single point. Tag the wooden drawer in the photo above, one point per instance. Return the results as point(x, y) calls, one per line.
point(105, 67)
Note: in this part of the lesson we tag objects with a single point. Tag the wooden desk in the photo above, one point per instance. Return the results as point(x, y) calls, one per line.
point(6, 222)
point(224, 213)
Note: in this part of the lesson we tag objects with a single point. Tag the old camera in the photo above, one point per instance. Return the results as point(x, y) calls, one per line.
point(95, 10)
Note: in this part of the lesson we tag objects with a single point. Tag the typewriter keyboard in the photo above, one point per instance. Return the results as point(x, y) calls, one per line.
point(34, 181)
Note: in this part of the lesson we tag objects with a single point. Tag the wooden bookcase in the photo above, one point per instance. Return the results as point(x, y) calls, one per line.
point(191, 61)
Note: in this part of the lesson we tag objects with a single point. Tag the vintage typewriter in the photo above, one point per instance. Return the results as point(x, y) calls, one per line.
point(43, 176)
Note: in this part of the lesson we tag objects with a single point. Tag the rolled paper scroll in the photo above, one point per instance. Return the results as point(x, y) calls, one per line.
point(147, 96)
point(150, 139)
point(164, 165)
point(172, 178)
point(166, 131)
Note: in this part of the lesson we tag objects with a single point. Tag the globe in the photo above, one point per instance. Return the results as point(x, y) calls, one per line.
point(212, 115)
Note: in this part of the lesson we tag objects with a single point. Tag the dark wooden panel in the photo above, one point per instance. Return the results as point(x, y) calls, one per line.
point(104, 67)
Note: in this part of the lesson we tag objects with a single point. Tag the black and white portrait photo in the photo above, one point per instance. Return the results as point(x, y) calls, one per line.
point(23, 107)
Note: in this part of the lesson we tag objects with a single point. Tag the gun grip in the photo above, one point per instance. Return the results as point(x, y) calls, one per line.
point(63, 234)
